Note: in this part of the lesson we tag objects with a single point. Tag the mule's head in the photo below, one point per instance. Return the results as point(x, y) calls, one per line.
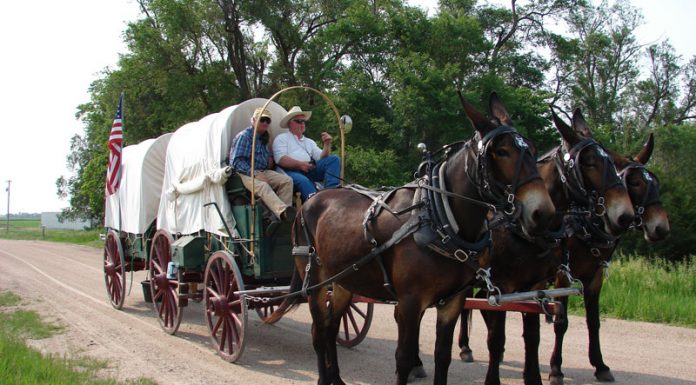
point(507, 165)
point(644, 190)
point(591, 175)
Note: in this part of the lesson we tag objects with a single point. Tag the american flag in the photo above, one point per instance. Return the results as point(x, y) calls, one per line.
point(113, 172)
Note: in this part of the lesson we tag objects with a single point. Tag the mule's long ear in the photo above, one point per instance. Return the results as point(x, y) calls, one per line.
point(498, 110)
point(564, 129)
point(644, 155)
point(477, 119)
point(580, 125)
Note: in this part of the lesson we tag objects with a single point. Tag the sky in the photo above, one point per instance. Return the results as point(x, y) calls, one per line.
point(53, 50)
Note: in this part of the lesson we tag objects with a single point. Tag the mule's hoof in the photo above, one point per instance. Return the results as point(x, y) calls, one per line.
point(416, 373)
point(466, 355)
point(604, 376)
point(555, 380)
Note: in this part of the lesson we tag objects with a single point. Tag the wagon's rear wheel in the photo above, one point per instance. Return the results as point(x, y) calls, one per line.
point(164, 291)
point(114, 269)
point(355, 323)
point(225, 312)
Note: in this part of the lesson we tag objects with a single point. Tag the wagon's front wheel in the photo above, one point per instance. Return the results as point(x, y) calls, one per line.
point(225, 311)
point(164, 291)
point(114, 269)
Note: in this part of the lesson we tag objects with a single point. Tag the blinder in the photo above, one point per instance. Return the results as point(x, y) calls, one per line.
point(573, 181)
point(489, 188)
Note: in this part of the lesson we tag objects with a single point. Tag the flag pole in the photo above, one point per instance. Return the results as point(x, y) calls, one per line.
point(118, 196)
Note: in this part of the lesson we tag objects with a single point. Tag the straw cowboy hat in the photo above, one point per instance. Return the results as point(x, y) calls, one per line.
point(261, 113)
point(294, 111)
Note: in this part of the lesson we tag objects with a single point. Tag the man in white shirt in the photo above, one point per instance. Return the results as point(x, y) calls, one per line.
point(300, 156)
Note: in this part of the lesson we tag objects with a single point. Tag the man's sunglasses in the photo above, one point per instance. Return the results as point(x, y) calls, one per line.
point(265, 119)
point(299, 121)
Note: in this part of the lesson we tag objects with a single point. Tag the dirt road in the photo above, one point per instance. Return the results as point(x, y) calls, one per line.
point(65, 284)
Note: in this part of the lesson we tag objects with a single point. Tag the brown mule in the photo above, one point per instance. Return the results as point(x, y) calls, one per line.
point(522, 263)
point(337, 225)
point(588, 261)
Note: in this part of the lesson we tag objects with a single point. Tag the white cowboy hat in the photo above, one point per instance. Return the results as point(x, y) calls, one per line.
point(294, 111)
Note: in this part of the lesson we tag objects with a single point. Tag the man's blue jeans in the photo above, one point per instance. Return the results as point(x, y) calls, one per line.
point(327, 171)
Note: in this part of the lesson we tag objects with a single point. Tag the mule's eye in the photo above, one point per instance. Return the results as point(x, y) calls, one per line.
point(501, 152)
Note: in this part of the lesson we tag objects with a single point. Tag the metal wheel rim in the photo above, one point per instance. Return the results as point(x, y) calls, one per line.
point(165, 300)
point(114, 270)
point(226, 314)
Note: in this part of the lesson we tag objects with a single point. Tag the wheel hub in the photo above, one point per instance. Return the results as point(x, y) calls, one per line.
point(219, 305)
point(161, 281)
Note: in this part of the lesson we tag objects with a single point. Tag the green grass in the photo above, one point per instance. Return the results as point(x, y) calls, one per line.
point(21, 365)
point(8, 298)
point(652, 291)
point(30, 229)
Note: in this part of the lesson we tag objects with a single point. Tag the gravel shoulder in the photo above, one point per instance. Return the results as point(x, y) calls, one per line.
point(65, 284)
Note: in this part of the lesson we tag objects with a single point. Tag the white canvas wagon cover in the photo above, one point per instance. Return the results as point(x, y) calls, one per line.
point(142, 171)
point(195, 169)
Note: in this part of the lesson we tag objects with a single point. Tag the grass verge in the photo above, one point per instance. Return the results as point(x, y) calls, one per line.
point(21, 365)
point(30, 229)
point(652, 291)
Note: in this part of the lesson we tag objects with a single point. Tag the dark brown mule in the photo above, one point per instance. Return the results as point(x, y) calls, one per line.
point(588, 259)
point(578, 169)
point(416, 276)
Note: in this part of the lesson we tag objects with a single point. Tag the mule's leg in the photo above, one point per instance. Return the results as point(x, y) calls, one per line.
point(340, 300)
point(559, 329)
point(532, 375)
point(591, 297)
point(408, 316)
point(465, 353)
point(320, 320)
point(495, 323)
point(447, 315)
point(417, 370)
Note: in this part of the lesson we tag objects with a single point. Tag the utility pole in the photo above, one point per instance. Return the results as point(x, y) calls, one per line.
point(8, 204)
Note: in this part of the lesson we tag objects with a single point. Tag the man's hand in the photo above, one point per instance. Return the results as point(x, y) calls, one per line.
point(326, 138)
point(306, 166)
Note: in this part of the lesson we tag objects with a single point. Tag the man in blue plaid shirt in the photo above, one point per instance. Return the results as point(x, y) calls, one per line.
point(273, 188)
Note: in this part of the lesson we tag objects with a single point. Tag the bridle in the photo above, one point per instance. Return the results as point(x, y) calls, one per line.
point(491, 190)
point(568, 165)
point(651, 196)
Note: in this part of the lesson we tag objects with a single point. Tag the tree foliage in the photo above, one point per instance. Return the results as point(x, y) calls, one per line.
point(397, 71)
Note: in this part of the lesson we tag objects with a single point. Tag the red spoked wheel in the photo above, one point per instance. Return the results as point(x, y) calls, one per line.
point(114, 269)
point(164, 291)
point(355, 323)
point(225, 312)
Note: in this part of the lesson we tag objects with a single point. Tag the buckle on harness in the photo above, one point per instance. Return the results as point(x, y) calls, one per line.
point(461, 255)
point(300, 251)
